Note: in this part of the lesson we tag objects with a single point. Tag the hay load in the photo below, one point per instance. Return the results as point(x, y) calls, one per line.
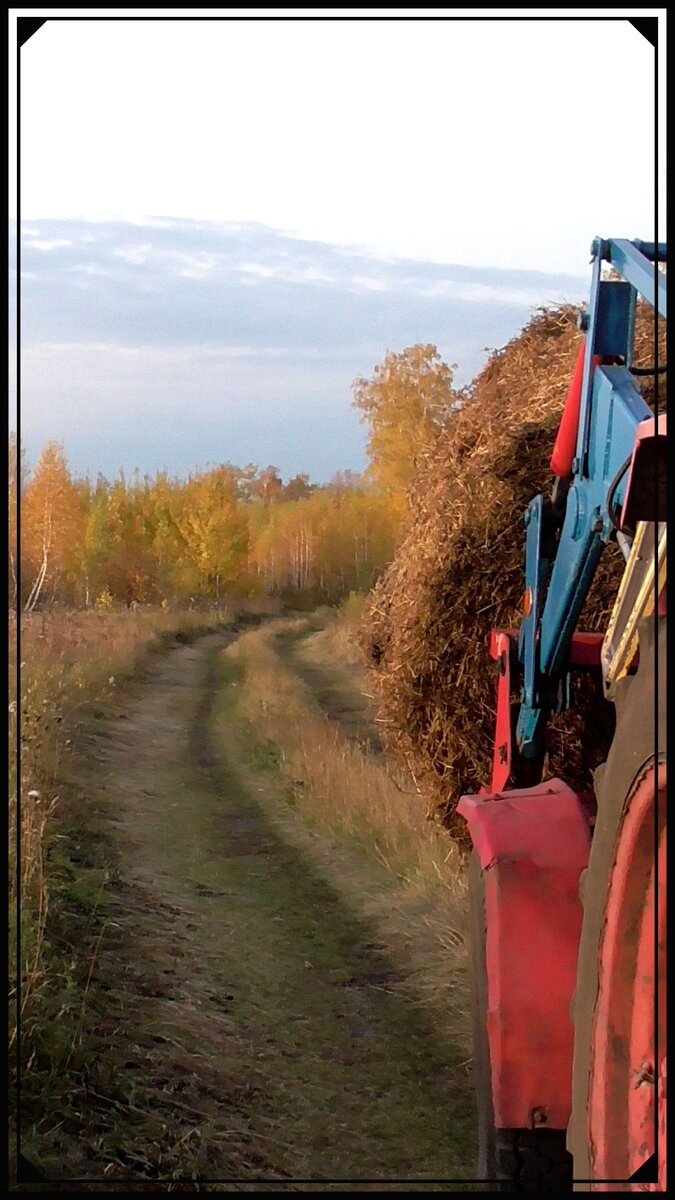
point(459, 572)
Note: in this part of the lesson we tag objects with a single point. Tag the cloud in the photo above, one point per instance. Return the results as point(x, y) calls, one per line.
point(152, 222)
point(87, 268)
point(196, 266)
point(135, 254)
point(49, 245)
point(205, 281)
point(368, 282)
point(231, 328)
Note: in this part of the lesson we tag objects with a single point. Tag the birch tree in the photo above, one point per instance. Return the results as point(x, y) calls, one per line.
point(50, 521)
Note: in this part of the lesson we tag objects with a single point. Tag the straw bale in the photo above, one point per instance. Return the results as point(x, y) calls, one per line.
point(460, 571)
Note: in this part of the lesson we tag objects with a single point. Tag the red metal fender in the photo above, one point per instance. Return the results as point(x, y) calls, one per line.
point(532, 844)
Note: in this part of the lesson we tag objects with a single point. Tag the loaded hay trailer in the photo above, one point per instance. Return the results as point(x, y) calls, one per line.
point(567, 889)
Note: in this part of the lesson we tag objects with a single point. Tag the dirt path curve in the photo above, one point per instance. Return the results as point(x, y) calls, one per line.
point(252, 1017)
point(338, 687)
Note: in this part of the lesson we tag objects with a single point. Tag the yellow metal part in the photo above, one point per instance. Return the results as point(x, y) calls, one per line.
point(635, 600)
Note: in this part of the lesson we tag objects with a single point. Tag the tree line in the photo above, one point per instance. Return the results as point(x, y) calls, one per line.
point(226, 530)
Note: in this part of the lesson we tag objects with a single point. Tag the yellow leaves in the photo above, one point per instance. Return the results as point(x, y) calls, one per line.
point(407, 402)
point(161, 540)
point(213, 528)
point(51, 521)
point(335, 540)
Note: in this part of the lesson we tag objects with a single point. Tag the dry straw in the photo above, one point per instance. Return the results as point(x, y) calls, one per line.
point(459, 572)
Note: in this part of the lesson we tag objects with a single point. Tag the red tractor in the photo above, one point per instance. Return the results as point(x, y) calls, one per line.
point(568, 890)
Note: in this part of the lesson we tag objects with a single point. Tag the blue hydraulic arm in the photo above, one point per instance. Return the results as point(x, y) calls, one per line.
point(566, 534)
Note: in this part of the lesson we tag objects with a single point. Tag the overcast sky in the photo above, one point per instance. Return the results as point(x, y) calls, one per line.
point(315, 189)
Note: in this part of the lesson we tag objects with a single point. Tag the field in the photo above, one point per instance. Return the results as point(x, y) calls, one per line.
point(235, 920)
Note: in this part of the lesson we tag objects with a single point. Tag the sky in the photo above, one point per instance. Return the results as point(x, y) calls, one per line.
point(224, 222)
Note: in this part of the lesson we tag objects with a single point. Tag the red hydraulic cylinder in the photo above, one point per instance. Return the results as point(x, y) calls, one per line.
point(566, 439)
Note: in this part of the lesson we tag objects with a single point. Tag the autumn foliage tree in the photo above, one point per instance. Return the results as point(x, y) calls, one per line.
point(214, 532)
point(51, 524)
point(228, 530)
point(408, 399)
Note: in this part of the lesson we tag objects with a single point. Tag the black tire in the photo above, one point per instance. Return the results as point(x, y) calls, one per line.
point(518, 1160)
point(640, 736)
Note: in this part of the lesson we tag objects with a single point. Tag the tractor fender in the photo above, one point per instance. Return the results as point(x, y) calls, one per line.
point(532, 845)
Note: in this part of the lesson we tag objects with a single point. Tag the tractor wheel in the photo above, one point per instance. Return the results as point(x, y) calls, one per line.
point(619, 1078)
point(518, 1160)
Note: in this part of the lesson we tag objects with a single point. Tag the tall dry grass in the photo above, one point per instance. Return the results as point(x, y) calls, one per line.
point(337, 783)
point(365, 803)
point(67, 661)
point(341, 632)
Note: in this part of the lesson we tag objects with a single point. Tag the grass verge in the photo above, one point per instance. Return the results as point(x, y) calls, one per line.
point(71, 666)
point(340, 789)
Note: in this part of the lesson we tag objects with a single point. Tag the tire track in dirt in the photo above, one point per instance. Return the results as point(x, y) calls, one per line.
point(251, 1021)
point(337, 686)
point(159, 1003)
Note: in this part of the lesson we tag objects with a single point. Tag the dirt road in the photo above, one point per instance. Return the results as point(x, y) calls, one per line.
point(244, 1016)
